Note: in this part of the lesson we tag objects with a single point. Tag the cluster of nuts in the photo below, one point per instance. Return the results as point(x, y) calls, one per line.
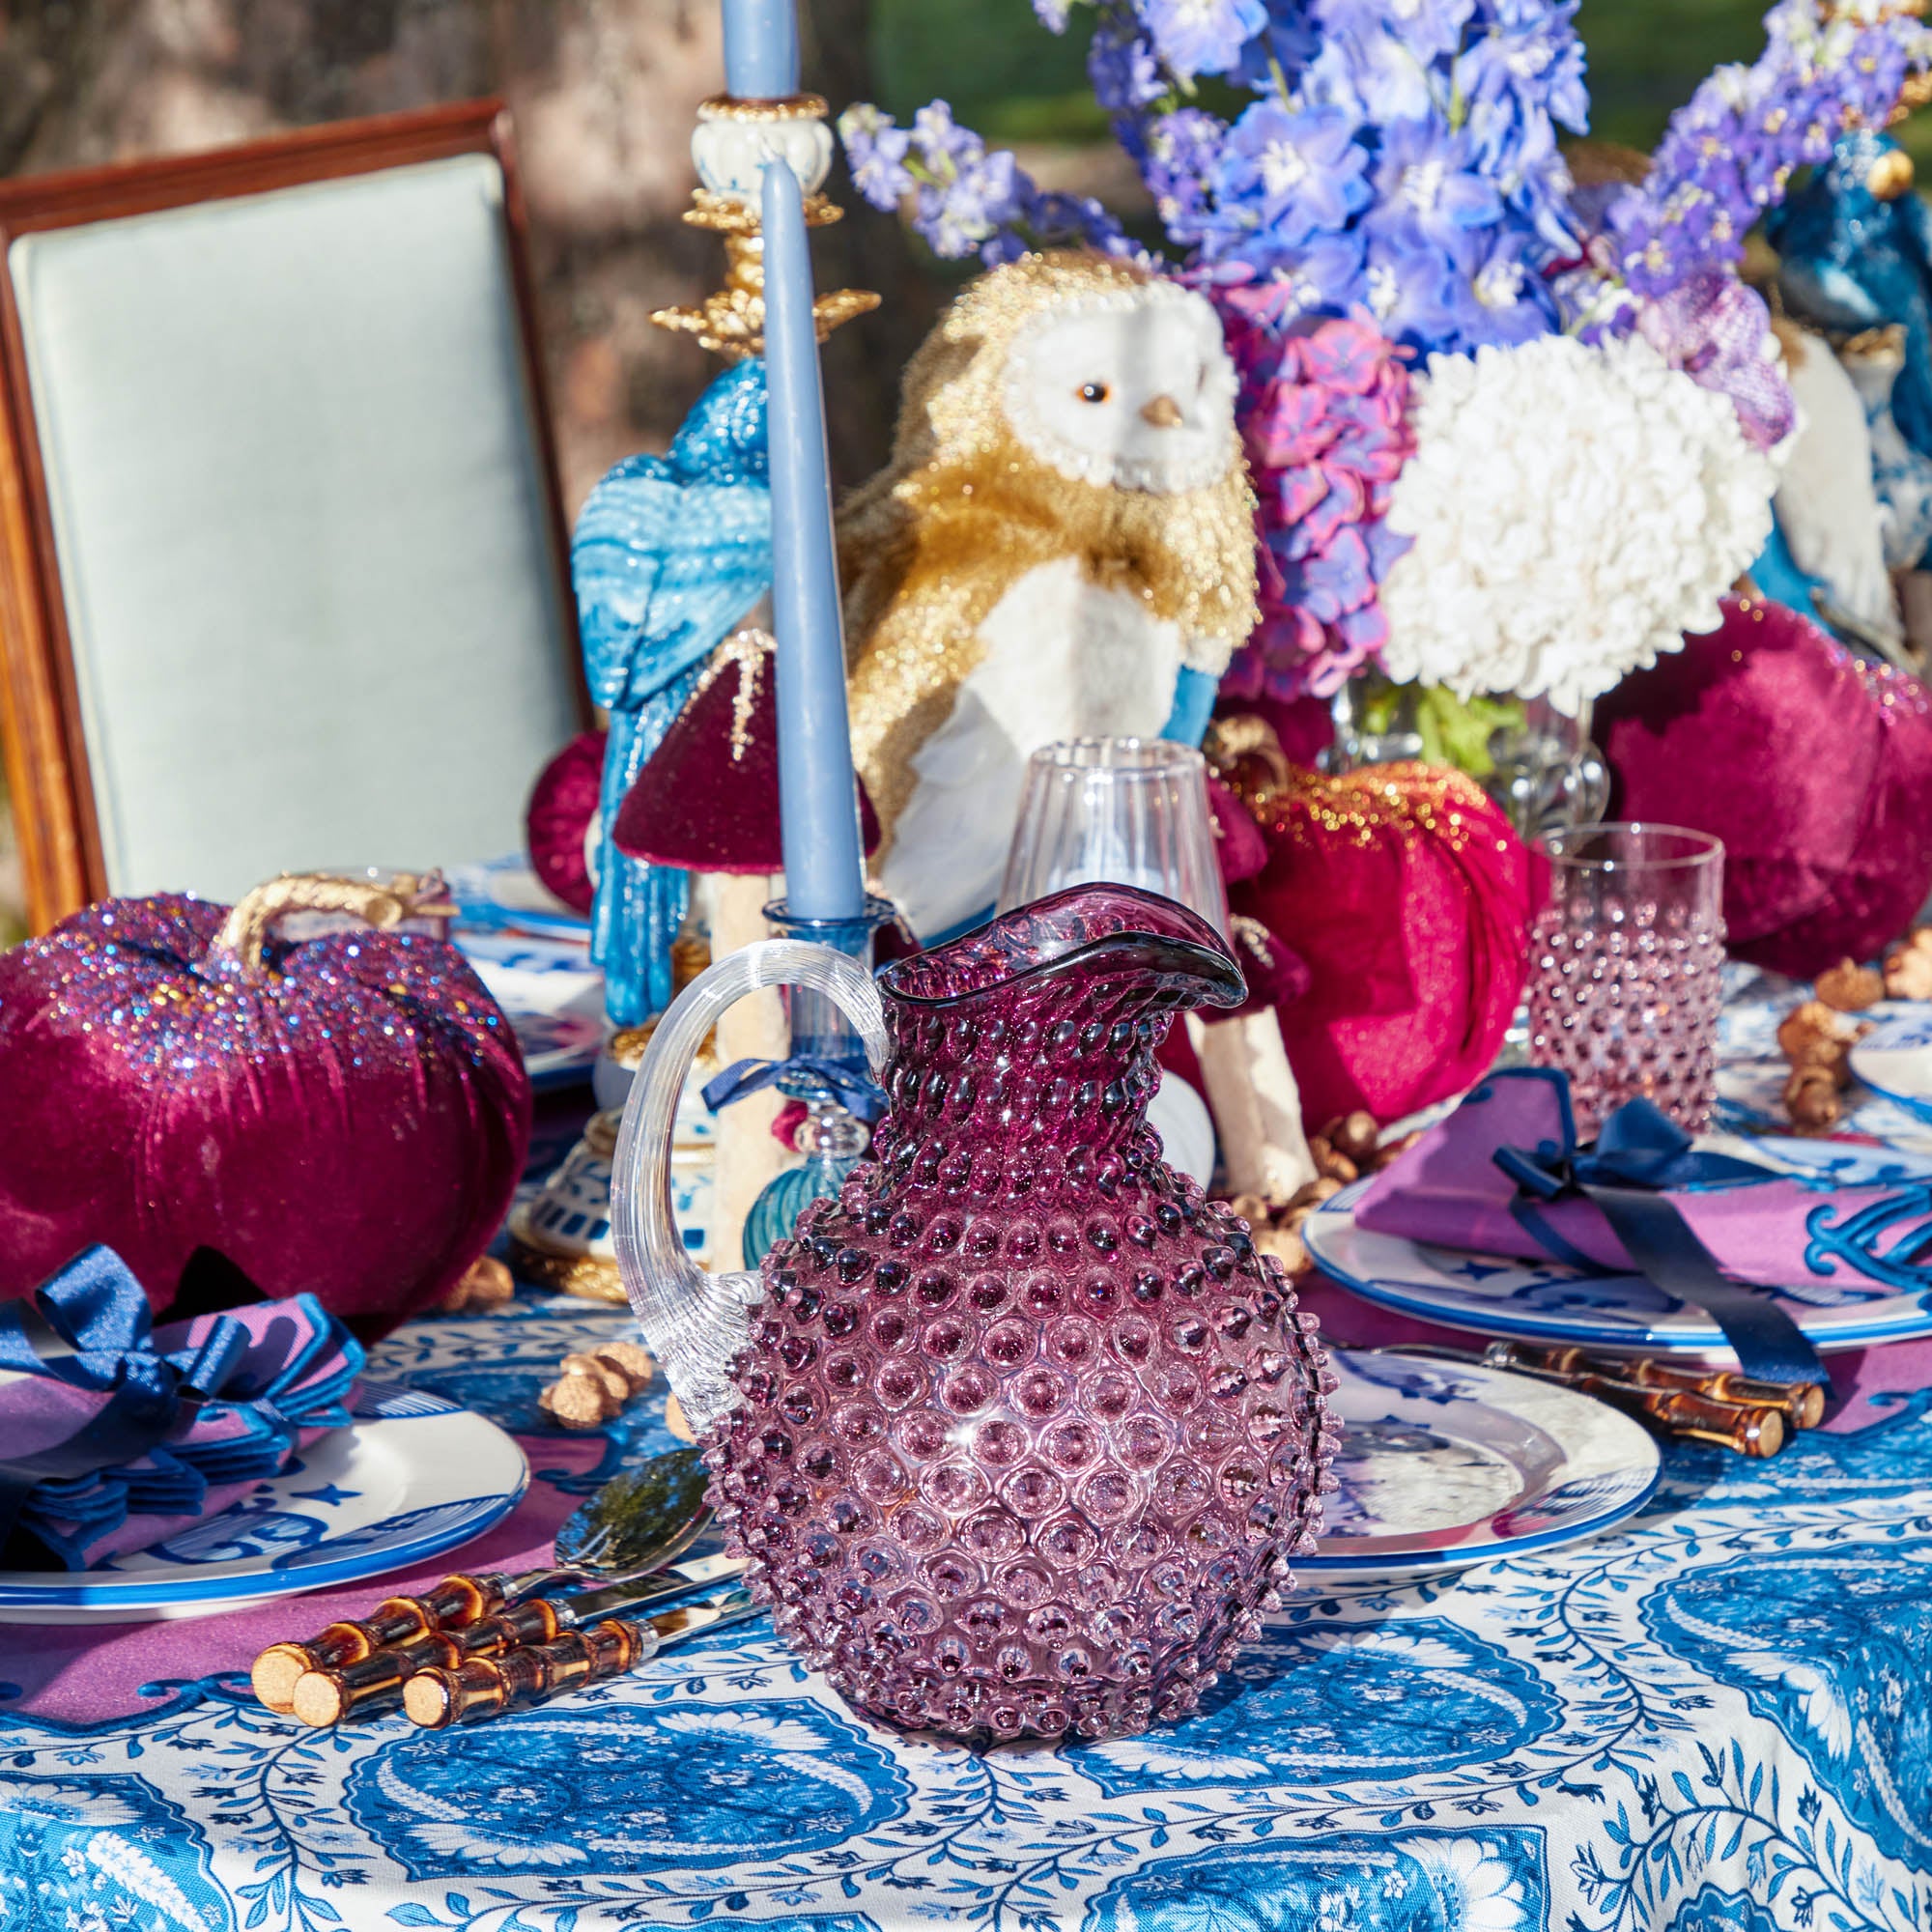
point(487, 1286)
point(1817, 1038)
point(1908, 966)
point(1344, 1150)
point(592, 1388)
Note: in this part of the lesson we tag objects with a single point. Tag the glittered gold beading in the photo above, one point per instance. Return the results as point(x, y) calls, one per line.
point(786, 107)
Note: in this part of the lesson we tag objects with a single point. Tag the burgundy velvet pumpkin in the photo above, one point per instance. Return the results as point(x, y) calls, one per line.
point(1406, 895)
point(345, 1116)
point(557, 821)
point(1812, 766)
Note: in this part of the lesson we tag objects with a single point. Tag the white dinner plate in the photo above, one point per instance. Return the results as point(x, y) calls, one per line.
point(412, 1477)
point(1443, 1466)
point(1545, 1301)
point(1896, 1061)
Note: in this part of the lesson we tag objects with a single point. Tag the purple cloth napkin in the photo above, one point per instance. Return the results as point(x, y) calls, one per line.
point(115, 1434)
point(1826, 1242)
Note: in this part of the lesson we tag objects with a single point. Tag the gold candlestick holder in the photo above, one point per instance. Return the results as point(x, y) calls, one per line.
point(732, 142)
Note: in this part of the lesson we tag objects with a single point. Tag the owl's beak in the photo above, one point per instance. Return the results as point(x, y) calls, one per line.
point(1163, 413)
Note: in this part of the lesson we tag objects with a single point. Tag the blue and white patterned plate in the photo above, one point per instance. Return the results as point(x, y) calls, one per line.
point(1443, 1466)
point(552, 997)
point(415, 1476)
point(1896, 1061)
point(1545, 1301)
point(506, 895)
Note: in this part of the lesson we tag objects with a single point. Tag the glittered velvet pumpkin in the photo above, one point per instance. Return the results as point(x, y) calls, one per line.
point(1406, 894)
point(345, 1116)
point(1813, 767)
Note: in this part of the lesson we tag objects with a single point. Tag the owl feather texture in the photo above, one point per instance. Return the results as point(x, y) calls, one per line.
point(1065, 527)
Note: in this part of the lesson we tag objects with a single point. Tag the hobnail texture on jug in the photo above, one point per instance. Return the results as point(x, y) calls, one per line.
point(1027, 1431)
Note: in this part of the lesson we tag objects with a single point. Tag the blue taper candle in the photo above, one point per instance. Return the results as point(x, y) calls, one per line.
point(762, 49)
point(818, 800)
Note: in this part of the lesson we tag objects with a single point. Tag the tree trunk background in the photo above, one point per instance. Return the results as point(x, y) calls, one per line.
point(603, 92)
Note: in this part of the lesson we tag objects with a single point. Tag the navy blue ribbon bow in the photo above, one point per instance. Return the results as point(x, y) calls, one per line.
point(849, 1083)
point(1639, 1152)
point(99, 1311)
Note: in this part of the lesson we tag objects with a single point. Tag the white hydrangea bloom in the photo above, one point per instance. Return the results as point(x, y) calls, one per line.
point(1574, 510)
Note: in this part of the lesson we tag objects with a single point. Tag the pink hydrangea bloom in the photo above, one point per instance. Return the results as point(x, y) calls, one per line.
point(1324, 409)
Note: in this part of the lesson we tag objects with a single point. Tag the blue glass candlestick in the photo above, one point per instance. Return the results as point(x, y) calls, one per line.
point(825, 1070)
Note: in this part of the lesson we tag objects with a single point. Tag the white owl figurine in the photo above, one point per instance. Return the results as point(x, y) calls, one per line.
point(1063, 543)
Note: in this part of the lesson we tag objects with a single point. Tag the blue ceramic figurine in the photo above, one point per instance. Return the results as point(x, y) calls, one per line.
point(669, 554)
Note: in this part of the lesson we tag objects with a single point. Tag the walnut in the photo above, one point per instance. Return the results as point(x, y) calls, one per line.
point(676, 1421)
point(595, 1386)
point(1811, 1098)
point(579, 1402)
point(1355, 1135)
point(634, 1358)
point(1908, 967)
point(487, 1285)
point(1252, 1209)
point(1286, 1246)
point(1331, 1163)
point(1394, 1149)
point(1815, 1035)
point(1850, 987)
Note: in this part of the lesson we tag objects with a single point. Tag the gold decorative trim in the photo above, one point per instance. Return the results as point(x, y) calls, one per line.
point(589, 1277)
point(786, 107)
point(734, 214)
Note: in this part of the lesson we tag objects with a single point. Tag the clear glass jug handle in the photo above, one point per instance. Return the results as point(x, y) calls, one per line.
point(694, 1323)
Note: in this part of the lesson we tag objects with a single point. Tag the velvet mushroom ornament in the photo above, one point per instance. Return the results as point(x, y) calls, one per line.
point(1813, 766)
point(707, 801)
point(345, 1116)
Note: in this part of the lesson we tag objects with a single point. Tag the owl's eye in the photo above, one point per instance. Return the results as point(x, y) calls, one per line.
point(1094, 392)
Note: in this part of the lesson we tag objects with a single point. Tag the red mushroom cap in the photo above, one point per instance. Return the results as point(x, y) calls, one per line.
point(707, 799)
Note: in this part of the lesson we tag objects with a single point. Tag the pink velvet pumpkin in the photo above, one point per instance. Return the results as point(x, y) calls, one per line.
point(1813, 767)
point(345, 1116)
point(1406, 895)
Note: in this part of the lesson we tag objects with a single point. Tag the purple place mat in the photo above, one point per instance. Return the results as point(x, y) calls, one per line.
point(85, 1674)
point(1861, 1378)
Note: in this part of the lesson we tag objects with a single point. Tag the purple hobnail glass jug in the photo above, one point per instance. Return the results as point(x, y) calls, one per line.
point(1019, 1433)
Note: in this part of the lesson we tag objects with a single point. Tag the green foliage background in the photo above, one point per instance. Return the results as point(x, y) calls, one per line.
point(1013, 81)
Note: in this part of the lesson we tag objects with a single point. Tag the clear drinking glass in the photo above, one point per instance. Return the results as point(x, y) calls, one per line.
point(1129, 812)
point(1626, 969)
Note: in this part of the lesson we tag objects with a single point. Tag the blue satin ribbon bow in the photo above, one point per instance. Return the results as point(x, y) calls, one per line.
point(850, 1084)
point(1639, 1152)
point(97, 1309)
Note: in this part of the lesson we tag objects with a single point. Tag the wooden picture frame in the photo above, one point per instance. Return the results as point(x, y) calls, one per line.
point(42, 724)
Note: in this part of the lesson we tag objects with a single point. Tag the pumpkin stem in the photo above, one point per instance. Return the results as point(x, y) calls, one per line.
point(252, 917)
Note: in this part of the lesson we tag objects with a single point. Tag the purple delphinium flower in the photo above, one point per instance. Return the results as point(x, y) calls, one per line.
point(1194, 37)
point(967, 200)
point(876, 152)
point(1729, 154)
point(1182, 149)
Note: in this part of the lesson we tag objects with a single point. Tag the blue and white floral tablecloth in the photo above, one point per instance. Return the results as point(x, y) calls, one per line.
point(1717, 1720)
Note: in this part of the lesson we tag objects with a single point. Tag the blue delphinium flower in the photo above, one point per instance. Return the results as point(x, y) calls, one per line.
point(1194, 37)
point(1291, 174)
point(1424, 181)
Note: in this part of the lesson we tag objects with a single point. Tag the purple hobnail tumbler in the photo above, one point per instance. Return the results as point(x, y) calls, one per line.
point(1020, 1431)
